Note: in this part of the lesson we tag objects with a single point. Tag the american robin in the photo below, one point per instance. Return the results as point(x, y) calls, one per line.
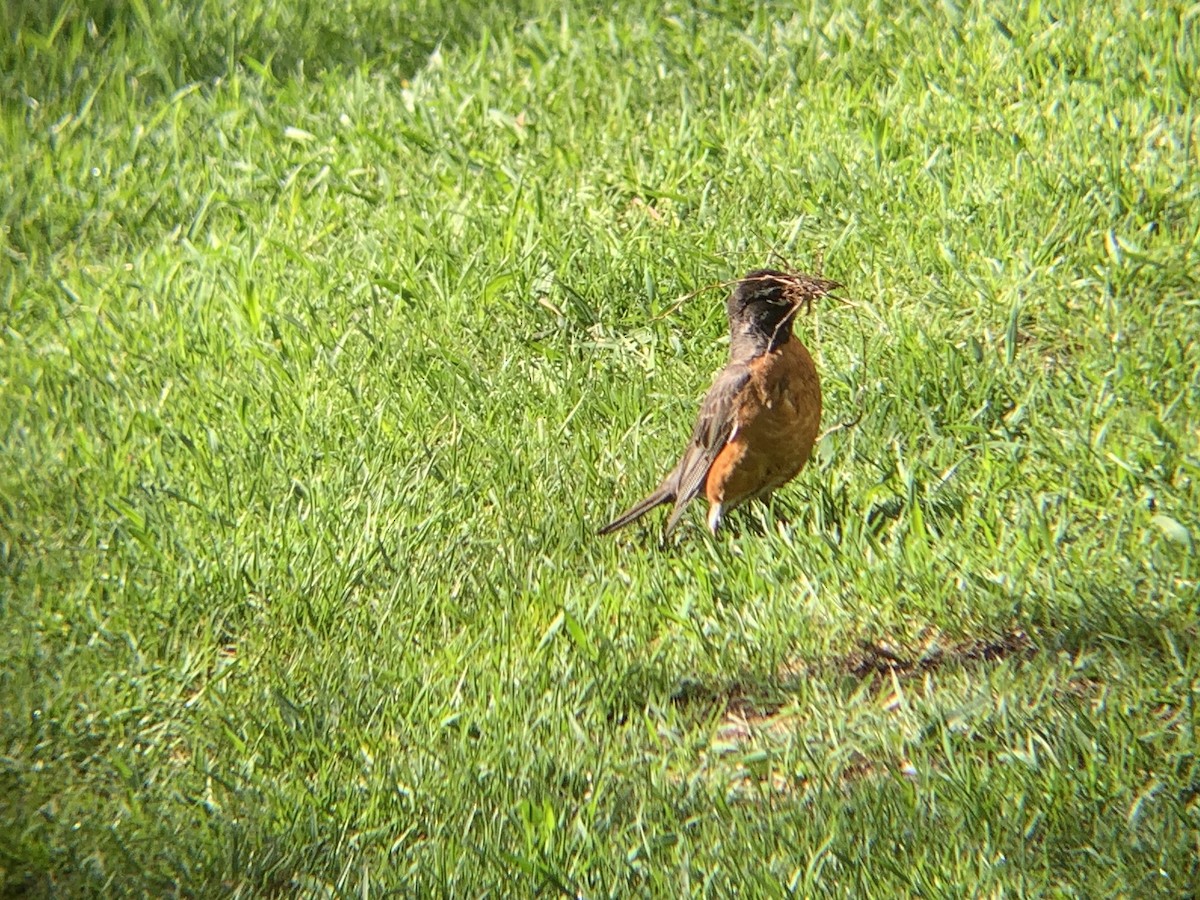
point(760, 418)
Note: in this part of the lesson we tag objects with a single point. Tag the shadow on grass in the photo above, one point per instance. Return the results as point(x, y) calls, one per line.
point(178, 44)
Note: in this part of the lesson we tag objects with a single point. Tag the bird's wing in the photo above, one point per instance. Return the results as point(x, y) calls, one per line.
point(715, 426)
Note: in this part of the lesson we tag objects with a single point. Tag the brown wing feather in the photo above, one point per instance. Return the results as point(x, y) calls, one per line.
point(714, 427)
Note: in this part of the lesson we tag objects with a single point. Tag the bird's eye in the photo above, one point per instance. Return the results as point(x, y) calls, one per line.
point(769, 294)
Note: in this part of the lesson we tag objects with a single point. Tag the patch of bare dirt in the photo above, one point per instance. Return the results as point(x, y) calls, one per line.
point(752, 704)
point(878, 659)
point(756, 715)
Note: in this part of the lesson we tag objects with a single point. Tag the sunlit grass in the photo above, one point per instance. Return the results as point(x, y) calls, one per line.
point(330, 335)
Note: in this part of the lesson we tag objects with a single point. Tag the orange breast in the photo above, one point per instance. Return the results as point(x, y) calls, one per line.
point(778, 415)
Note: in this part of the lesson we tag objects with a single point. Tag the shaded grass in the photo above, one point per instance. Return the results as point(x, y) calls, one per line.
point(316, 380)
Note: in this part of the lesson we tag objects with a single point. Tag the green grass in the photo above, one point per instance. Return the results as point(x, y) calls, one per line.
point(329, 333)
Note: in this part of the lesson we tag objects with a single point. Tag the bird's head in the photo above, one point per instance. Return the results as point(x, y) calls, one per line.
point(764, 302)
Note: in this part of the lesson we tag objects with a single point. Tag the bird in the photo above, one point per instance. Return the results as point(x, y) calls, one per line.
point(759, 421)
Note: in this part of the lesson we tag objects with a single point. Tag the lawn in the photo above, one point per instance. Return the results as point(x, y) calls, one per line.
point(330, 333)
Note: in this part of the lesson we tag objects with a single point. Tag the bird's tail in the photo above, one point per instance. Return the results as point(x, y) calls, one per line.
point(660, 496)
point(677, 513)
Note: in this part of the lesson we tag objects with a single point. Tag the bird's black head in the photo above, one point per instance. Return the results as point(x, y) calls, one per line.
point(759, 293)
point(764, 302)
point(759, 306)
